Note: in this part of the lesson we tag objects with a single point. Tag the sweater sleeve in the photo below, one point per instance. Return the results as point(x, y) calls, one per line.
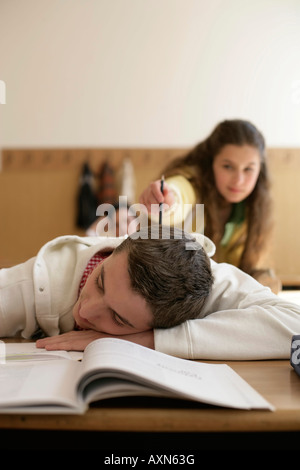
point(243, 321)
point(185, 198)
point(17, 306)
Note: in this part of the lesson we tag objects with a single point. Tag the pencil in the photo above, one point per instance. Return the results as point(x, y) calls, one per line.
point(161, 203)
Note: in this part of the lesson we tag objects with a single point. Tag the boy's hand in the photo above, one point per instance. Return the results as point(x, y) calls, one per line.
point(78, 340)
point(71, 341)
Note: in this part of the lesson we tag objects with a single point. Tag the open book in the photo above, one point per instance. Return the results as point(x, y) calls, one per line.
point(27, 352)
point(117, 368)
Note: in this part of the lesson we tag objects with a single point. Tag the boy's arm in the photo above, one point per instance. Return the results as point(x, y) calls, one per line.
point(78, 340)
point(243, 321)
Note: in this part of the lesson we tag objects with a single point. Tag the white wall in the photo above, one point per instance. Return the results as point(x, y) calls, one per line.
point(147, 72)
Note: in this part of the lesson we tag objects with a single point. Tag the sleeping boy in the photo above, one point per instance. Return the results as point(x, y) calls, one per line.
point(155, 291)
point(116, 286)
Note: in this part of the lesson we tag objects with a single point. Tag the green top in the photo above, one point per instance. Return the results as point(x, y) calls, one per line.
point(237, 217)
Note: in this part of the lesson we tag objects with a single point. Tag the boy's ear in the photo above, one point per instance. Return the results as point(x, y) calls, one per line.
point(208, 246)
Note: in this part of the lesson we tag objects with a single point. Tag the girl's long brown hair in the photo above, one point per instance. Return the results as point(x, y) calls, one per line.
point(197, 166)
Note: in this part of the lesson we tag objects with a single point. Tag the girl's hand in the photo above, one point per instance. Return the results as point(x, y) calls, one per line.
point(152, 195)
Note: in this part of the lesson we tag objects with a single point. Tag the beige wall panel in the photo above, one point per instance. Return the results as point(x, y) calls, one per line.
point(38, 190)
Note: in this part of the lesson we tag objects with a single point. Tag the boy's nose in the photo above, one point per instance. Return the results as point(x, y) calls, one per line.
point(91, 309)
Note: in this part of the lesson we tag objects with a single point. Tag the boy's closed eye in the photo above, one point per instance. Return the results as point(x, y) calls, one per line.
point(118, 319)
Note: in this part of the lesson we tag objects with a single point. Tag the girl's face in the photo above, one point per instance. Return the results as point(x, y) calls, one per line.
point(107, 302)
point(236, 169)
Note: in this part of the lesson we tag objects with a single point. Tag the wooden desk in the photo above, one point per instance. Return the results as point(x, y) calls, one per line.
point(275, 380)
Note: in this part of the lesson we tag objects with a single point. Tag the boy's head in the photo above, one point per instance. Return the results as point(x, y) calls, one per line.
point(171, 271)
point(151, 280)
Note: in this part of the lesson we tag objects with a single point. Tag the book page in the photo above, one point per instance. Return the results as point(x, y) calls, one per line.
point(38, 385)
point(29, 352)
point(215, 384)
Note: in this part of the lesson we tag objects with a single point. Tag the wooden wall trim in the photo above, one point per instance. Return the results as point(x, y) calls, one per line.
point(69, 158)
point(38, 190)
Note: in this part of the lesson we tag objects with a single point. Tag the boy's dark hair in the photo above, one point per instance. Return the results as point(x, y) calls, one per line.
point(174, 279)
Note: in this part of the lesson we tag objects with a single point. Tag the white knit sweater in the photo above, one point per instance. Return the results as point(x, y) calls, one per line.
point(243, 320)
point(41, 293)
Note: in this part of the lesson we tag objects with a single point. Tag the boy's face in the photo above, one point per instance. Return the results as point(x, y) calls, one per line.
point(107, 302)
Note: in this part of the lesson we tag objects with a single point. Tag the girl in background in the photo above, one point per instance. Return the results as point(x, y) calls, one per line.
point(228, 173)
